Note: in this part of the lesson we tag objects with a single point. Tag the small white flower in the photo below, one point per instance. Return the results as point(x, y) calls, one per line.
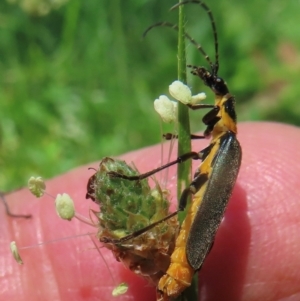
point(64, 206)
point(37, 186)
point(166, 108)
point(180, 92)
point(120, 289)
point(15, 252)
point(198, 98)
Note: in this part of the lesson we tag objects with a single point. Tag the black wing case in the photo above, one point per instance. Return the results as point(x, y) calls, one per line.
point(220, 184)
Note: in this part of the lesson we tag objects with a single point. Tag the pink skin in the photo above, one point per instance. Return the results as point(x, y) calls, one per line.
point(256, 255)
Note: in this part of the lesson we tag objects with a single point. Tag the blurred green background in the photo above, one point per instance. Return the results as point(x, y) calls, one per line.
point(78, 82)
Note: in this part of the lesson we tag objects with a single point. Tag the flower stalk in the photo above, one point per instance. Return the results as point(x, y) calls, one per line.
point(184, 141)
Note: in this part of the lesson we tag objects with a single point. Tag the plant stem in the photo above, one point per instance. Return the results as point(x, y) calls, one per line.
point(184, 141)
point(70, 27)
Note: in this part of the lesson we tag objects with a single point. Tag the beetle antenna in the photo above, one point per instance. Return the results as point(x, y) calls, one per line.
point(214, 66)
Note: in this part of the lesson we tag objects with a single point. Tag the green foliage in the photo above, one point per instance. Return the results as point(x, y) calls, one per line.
point(78, 84)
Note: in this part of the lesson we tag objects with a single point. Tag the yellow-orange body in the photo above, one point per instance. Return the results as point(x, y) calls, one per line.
point(179, 274)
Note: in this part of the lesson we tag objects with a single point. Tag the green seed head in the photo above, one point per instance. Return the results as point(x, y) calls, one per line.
point(127, 206)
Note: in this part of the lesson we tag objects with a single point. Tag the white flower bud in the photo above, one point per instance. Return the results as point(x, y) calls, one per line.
point(120, 289)
point(15, 252)
point(64, 206)
point(180, 92)
point(166, 108)
point(37, 186)
point(198, 98)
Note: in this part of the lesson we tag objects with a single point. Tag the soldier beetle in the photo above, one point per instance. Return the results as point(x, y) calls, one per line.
point(213, 181)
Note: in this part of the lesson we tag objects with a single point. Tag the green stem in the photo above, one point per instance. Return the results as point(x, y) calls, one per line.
point(184, 141)
point(70, 27)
